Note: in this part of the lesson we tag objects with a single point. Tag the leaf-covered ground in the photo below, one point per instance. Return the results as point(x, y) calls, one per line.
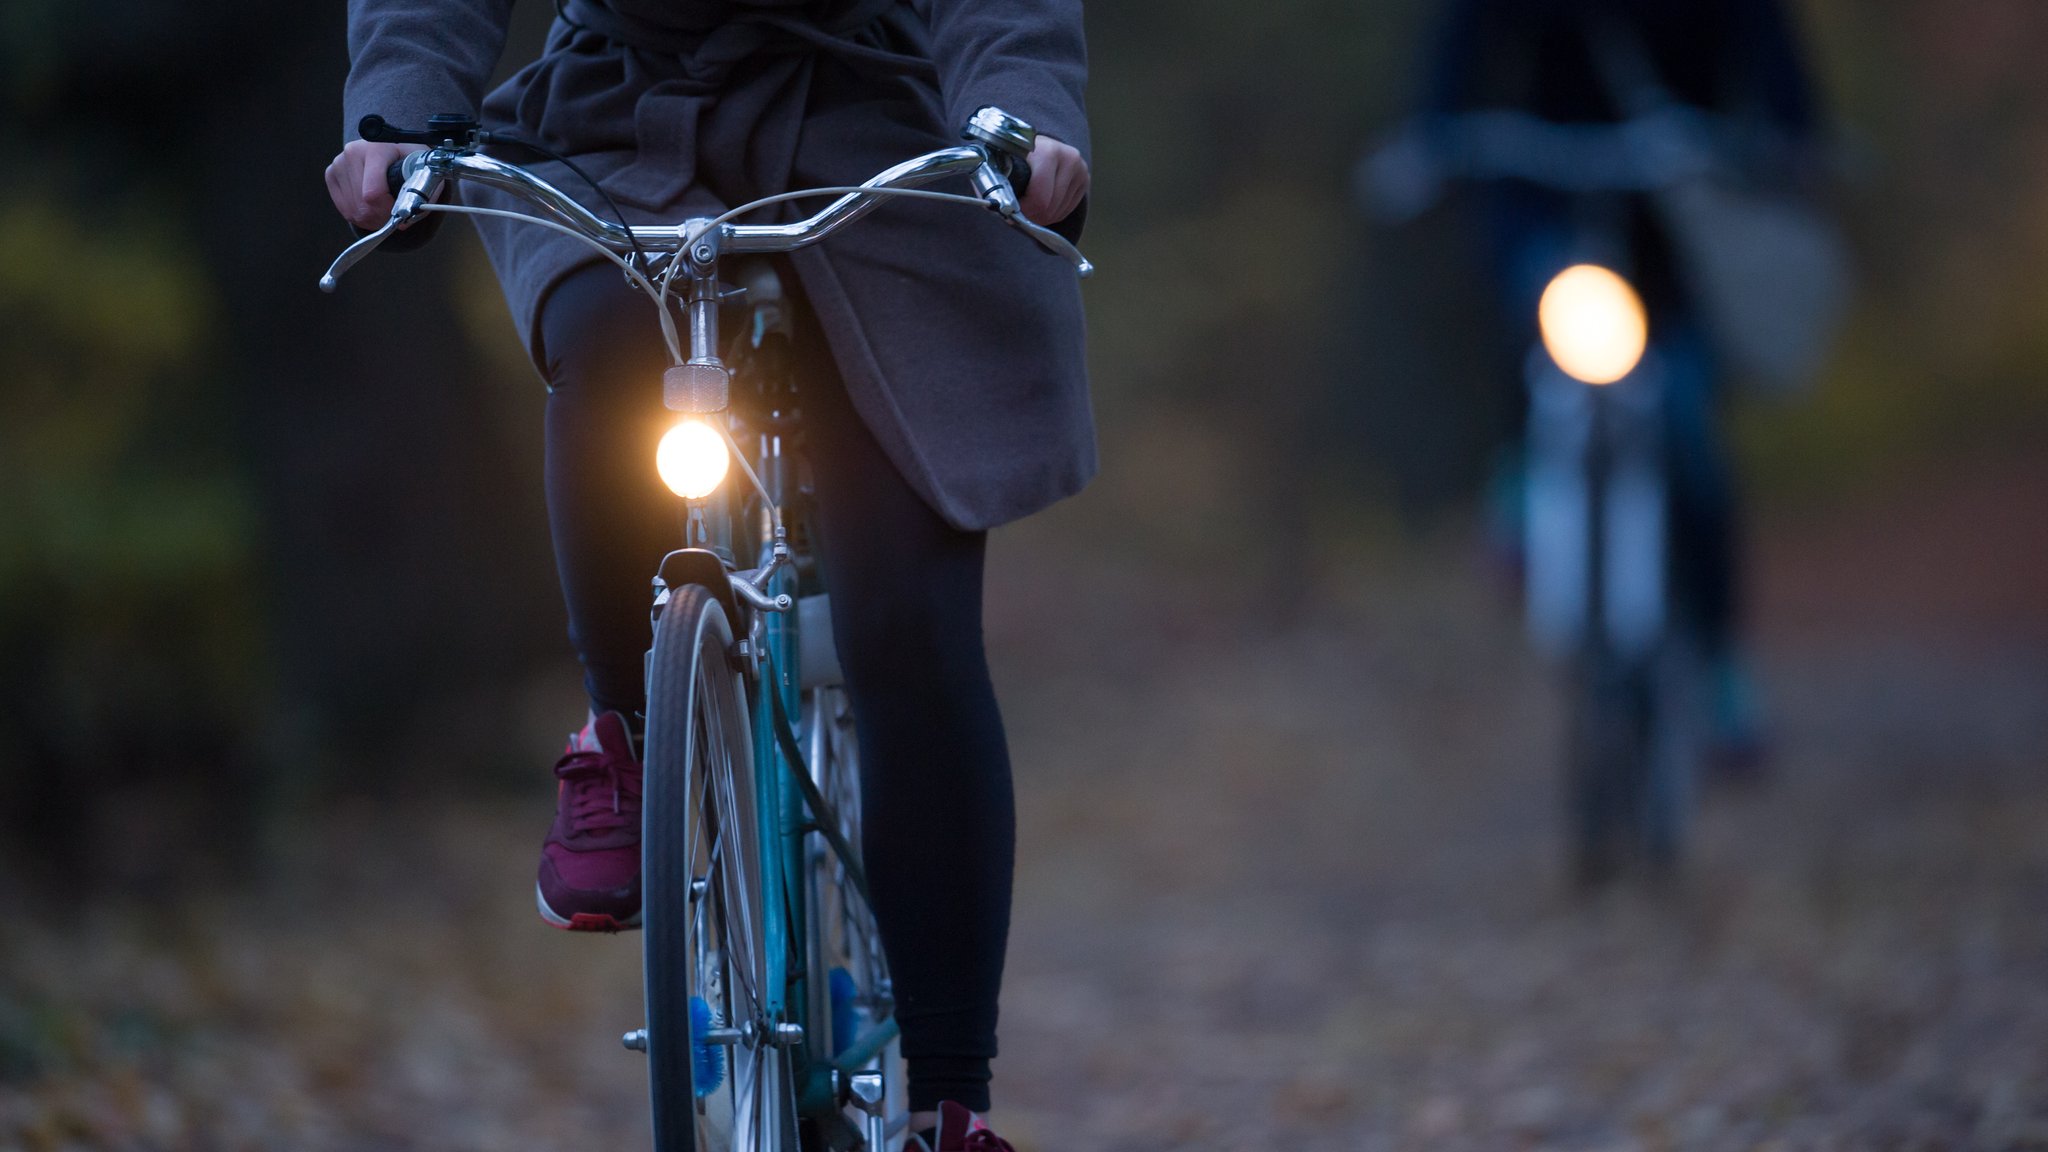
point(1290, 879)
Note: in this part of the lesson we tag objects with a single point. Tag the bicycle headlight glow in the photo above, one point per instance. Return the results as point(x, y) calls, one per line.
point(1593, 324)
point(692, 459)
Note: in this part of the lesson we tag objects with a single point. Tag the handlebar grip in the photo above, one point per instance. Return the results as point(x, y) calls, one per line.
point(416, 234)
point(1017, 171)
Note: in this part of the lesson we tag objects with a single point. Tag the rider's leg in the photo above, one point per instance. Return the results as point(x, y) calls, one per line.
point(1703, 488)
point(1706, 562)
point(610, 516)
point(938, 820)
point(611, 521)
point(1528, 241)
point(1706, 540)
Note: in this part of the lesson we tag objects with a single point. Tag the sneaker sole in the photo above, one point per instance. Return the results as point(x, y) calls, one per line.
point(582, 921)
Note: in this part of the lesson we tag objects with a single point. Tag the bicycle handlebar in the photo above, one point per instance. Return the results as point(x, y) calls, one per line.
point(1643, 154)
point(423, 173)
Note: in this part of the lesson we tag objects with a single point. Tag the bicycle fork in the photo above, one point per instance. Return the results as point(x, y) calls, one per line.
point(1595, 513)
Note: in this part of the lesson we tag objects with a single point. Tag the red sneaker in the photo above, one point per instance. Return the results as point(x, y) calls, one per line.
point(959, 1130)
point(590, 864)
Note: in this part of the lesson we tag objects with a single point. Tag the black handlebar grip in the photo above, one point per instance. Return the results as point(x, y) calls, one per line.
point(1017, 171)
point(421, 230)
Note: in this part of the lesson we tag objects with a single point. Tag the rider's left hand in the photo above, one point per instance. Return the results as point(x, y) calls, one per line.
point(1059, 179)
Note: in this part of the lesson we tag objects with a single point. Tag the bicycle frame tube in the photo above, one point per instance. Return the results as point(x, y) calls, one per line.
point(1594, 497)
point(782, 827)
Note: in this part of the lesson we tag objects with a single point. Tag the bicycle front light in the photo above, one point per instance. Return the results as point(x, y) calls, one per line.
point(1593, 324)
point(692, 459)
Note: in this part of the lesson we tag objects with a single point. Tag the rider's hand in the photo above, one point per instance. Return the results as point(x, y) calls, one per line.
point(1059, 178)
point(355, 181)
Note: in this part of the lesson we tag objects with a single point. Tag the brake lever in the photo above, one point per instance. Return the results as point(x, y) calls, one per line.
point(404, 208)
point(356, 251)
point(1052, 242)
point(1000, 194)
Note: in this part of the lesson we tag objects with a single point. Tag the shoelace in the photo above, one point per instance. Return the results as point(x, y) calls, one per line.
point(600, 797)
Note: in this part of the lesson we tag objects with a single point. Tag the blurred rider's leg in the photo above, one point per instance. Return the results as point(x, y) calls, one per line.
point(1706, 540)
point(1528, 240)
point(1706, 537)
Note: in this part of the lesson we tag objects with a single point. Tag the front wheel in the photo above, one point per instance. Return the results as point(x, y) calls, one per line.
point(1608, 767)
point(1633, 755)
point(717, 1083)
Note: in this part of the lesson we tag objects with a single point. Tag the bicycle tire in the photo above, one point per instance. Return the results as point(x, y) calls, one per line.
point(1675, 750)
point(1608, 765)
point(704, 946)
point(1634, 752)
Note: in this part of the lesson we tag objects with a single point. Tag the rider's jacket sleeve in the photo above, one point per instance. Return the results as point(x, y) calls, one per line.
point(1027, 57)
point(411, 59)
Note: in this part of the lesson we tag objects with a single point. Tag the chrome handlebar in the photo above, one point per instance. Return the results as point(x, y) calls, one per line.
point(426, 171)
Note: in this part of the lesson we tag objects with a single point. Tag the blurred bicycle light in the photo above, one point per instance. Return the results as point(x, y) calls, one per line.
point(692, 459)
point(1593, 324)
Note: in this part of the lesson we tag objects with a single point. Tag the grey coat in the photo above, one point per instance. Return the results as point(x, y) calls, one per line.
point(960, 343)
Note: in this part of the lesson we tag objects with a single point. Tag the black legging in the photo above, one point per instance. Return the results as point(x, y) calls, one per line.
point(939, 821)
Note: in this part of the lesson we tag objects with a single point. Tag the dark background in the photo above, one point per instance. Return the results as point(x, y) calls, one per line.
point(282, 663)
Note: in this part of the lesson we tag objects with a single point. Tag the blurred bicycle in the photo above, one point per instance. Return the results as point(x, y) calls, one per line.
point(1645, 186)
point(1614, 504)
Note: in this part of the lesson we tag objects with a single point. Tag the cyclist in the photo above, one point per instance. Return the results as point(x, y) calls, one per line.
point(1560, 61)
point(944, 392)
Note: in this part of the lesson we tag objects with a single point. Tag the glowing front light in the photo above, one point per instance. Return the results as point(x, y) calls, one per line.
point(692, 459)
point(1593, 324)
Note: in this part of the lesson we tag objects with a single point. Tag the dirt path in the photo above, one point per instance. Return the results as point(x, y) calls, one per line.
point(1309, 897)
point(1293, 888)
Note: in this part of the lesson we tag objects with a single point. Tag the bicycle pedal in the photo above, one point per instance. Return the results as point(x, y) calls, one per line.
point(867, 1092)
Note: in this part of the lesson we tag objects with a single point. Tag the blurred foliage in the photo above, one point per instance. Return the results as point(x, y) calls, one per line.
point(108, 325)
point(262, 546)
point(228, 493)
point(125, 545)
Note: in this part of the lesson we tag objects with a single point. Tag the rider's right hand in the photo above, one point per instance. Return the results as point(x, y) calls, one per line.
point(355, 181)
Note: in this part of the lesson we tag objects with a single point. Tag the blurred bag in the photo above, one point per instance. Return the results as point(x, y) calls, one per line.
point(1769, 267)
point(1770, 272)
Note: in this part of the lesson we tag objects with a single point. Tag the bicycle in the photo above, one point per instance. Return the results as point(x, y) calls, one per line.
point(1597, 494)
point(1599, 588)
point(769, 1020)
